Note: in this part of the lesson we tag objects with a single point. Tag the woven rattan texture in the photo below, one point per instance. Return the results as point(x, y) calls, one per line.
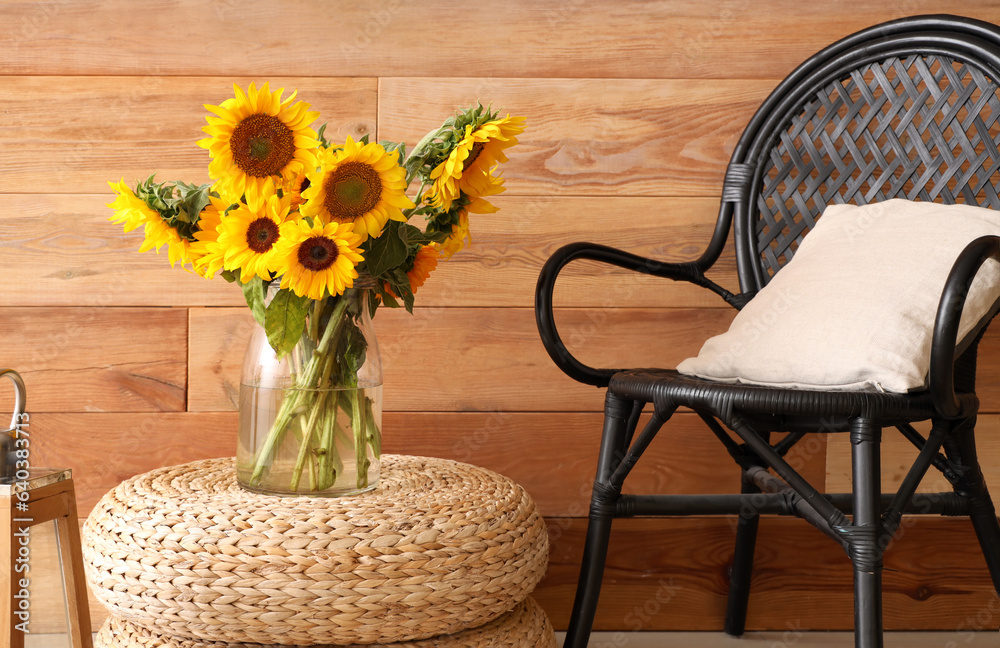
point(920, 127)
point(670, 389)
point(437, 548)
point(526, 626)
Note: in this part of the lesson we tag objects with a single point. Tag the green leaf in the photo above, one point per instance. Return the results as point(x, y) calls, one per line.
point(391, 146)
point(353, 347)
point(322, 139)
point(373, 303)
point(253, 293)
point(400, 283)
point(194, 198)
point(285, 320)
point(229, 276)
point(385, 252)
point(413, 236)
point(387, 299)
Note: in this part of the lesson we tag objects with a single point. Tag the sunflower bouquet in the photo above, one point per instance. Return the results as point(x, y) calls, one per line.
point(305, 227)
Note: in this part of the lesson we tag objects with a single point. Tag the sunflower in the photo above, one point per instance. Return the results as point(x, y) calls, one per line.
point(131, 212)
point(159, 233)
point(359, 183)
point(248, 234)
point(423, 265)
point(258, 142)
point(318, 259)
point(295, 189)
point(468, 168)
point(459, 237)
point(206, 254)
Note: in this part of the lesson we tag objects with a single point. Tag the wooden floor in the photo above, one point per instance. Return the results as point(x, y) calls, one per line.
point(718, 640)
point(785, 640)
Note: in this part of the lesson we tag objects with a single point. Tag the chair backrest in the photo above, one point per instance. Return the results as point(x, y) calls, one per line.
point(906, 109)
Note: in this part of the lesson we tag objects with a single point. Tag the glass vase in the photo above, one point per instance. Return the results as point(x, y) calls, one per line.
point(310, 423)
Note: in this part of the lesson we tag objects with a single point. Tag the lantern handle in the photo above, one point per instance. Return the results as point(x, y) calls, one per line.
point(20, 396)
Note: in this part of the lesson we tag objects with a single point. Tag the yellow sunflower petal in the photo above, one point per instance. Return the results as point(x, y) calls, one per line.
point(318, 259)
point(248, 235)
point(361, 184)
point(130, 210)
point(254, 143)
point(467, 170)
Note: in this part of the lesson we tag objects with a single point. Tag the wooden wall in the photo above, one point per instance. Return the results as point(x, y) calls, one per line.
point(632, 109)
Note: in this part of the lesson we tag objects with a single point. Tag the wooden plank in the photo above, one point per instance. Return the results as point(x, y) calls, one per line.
point(553, 455)
point(97, 359)
point(60, 250)
point(217, 342)
point(493, 356)
point(672, 574)
point(72, 134)
point(898, 455)
point(121, 445)
point(988, 370)
point(501, 266)
point(471, 359)
point(623, 137)
point(598, 137)
point(629, 38)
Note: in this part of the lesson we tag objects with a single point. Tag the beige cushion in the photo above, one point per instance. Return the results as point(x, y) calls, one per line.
point(855, 307)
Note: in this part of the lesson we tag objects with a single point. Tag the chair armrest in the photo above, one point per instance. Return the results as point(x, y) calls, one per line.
point(949, 314)
point(545, 319)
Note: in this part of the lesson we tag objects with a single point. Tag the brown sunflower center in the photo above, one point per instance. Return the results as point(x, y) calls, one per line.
point(262, 145)
point(261, 235)
point(477, 148)
point(317, 253)
point(352, 190)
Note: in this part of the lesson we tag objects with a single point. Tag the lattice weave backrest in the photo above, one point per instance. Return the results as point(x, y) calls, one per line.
point(921, 127)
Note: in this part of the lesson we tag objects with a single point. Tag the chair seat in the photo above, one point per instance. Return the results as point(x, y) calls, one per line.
point(781, 407)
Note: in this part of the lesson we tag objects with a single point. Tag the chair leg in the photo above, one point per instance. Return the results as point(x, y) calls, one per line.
point(961, 448)
point(595, 551)
point(865, 535)
point(589, 586)
point(739, 581)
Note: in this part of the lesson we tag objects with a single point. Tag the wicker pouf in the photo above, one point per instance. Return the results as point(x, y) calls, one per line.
point(526, 626)
point(437, 548)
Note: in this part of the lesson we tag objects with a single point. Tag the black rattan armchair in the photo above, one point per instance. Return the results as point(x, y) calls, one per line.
point(906, 109)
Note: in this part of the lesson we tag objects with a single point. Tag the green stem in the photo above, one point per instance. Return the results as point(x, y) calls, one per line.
point(296, 393)
point(373, 433)
point(420, 193)
point(317, 314)
point(360, 439)
point(317, 407)
point(300, 459)
point(331, 466)
point(312, 474)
